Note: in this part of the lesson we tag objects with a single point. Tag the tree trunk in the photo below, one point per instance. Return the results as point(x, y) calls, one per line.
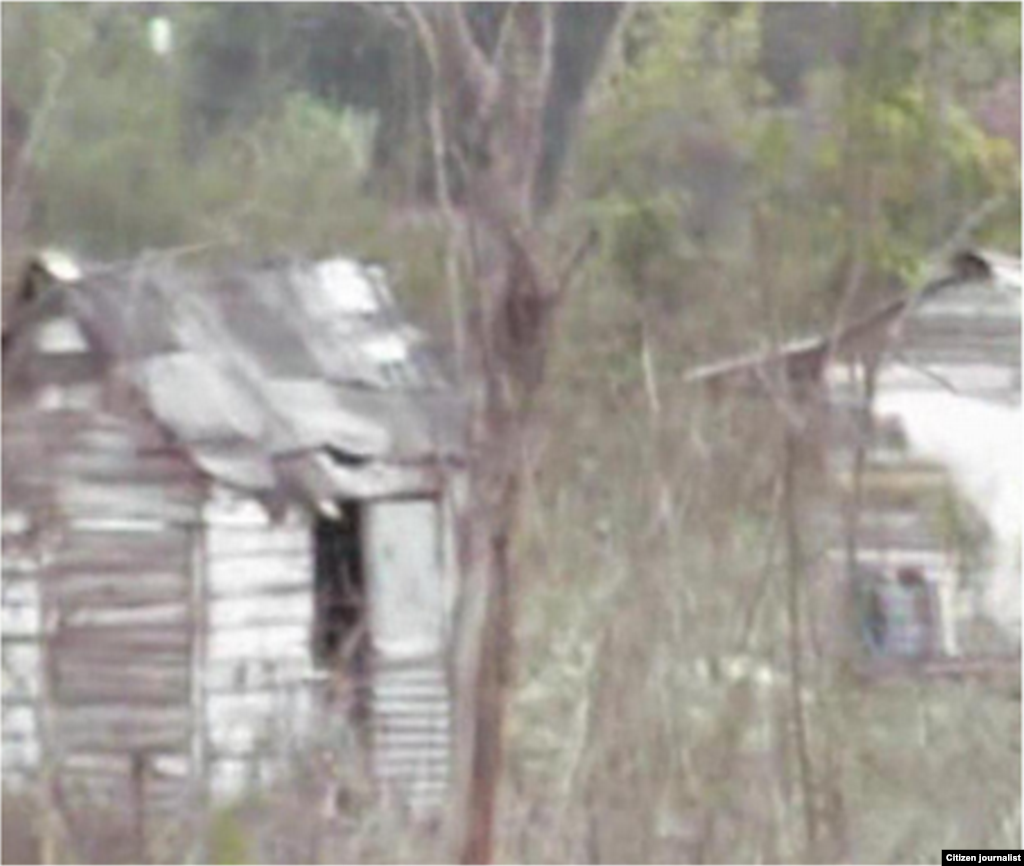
point(488, 119)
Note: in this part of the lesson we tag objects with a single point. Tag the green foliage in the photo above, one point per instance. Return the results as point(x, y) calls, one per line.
point(877, 161)
point(291, 183)
point(116, 171)
point(228, 843)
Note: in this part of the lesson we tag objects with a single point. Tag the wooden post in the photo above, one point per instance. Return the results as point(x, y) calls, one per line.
point(199, 619)
point(55, 842)
point(139, 762)
point(488, 112)
point(50, 823)
point(796, 575)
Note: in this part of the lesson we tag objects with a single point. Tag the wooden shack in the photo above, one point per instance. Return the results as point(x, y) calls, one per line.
point(228, 513)
point(916, 530)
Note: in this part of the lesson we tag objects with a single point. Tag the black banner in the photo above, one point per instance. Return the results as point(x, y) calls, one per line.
point(980, 855)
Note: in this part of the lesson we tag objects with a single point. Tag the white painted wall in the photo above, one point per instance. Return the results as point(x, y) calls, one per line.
point(980, 443)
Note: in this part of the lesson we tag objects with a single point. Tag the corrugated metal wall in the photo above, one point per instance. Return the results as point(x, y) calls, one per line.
point(411, 707)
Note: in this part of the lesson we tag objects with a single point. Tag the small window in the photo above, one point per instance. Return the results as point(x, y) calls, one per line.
point(897, 614)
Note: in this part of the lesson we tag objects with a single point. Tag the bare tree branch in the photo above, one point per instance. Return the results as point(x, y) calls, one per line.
point(487, 117)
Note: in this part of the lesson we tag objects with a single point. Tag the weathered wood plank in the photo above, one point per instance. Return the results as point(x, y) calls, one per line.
point(20, 620)
point(112, 654)
point(19, 755)
point(119, 728)
point(101, 552)
point(139, 688)
point(20, 563)
point(255, 611)
point(123, 639)
point(20, 658)
point(247, 675)
point(120, 700)
point(258, 643)
point(132, 467)
point(265, 586)
point(74, 589)
point(171, 615)
point(91, 684)
point(84, 430)
point(248, 546)
point(23, 687)
point(74, 498)
point(253, 575)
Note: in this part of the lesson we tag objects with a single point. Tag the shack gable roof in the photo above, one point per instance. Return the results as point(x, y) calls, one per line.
point(977, 303)
point(295, 377)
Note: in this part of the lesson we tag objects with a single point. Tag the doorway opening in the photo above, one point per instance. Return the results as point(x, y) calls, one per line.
point(341, 623)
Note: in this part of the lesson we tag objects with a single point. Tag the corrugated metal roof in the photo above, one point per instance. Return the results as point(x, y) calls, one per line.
point(981, 294)
point(252, 370)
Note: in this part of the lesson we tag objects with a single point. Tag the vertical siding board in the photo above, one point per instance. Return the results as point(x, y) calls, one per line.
point(199, 746)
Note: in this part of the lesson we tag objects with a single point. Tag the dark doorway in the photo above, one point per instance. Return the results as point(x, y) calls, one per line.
point(340, 633)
